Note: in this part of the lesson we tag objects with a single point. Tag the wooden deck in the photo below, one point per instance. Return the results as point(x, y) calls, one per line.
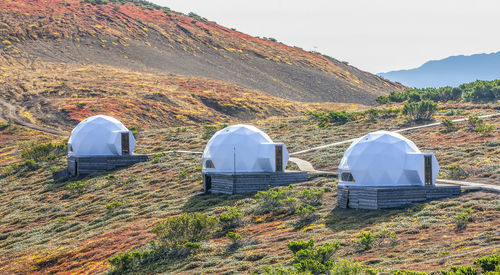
point(86, 165)
point(228, 183)
point(378, 197)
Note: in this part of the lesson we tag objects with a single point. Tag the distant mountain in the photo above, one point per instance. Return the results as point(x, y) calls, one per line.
point(451, 71)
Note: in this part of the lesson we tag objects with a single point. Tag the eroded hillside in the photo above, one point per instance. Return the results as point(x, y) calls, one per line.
point(154, 40)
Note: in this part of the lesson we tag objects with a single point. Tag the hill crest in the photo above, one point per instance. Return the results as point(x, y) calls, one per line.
point(158, 40)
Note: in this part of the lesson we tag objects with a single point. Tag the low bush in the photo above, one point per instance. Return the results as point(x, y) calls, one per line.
point(449, 126)
point(365, 239)
point(489, 263)
point(461, 220)
point(419, 111)
point(312, 196)
point(306, 213)
point(316, 260)
point(36, 151)
point(484, 129)
point(474, 121)
point(230, 219)
point(209, 131)
point(336, 117)
point(234, 237)
point(456, 172)
point(460, 270)
point(114, 204)
point(273, 200)
point(190, 227)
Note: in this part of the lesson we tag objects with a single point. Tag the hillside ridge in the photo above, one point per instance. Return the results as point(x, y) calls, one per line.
point(157, 40)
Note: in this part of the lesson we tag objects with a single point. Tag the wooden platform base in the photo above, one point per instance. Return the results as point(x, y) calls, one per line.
point(228, 183)
point(79, 165)
point(373, 197)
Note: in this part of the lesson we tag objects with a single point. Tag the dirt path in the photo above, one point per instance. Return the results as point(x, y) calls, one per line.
point(8, 112)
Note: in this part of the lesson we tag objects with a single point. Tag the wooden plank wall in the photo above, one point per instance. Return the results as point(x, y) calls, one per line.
point(369, 197)
point(94, 164)
point(253, 182)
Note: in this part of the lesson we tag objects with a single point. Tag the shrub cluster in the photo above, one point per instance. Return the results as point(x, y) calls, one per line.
point(477, 124)
point(461, 220)
point(230, 219)
point(40, 151)
point(176, 237)
point(419, 111)
point(478, 91)
point(342, 117)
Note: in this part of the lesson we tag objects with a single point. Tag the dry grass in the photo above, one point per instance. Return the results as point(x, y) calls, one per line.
point(50, 226)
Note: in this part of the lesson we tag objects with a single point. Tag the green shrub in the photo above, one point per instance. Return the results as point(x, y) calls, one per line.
point(365, 239)
point(158, 157)
point(460, 270)
point(312, 196)
point(209, 131)
point(484, 129)
point(114, 204)
point(306, 213)
point(31, 165)
point(234, 237)
point(474, 121)
point(296, 246)
point(230, 219)
point(461, 220)
point(456, 172)
point(418, 111)
point(489, 263)
point(346, 267)
point(337, 117)
point(124, 261)
point(10, 170)
point(190, 227)
point(33, 150)
point(77, 186)
point(448, 125)
point(273, 199)
point(317, 260)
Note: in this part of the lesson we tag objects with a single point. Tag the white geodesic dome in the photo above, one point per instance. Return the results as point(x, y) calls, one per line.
point(99, 136)
point(241, 149)
point(385, 159)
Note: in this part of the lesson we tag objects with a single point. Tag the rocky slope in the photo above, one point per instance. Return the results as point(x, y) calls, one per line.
point(157, 40)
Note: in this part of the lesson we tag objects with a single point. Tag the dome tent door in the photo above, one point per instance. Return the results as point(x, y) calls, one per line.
point(428, 169)
point(279, 157)
point(125, 144)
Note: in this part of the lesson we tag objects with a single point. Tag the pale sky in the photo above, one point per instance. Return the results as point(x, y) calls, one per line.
point(373, 35)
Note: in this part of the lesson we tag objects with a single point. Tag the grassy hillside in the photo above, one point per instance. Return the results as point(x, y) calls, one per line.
point(150, 39)
point(77, 225)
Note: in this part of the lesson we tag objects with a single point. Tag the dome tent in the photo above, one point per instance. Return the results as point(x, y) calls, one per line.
point(101, 136)
point(243, 149)
point(386, 159)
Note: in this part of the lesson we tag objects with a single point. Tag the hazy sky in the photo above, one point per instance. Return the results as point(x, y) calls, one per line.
point(373, 35)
